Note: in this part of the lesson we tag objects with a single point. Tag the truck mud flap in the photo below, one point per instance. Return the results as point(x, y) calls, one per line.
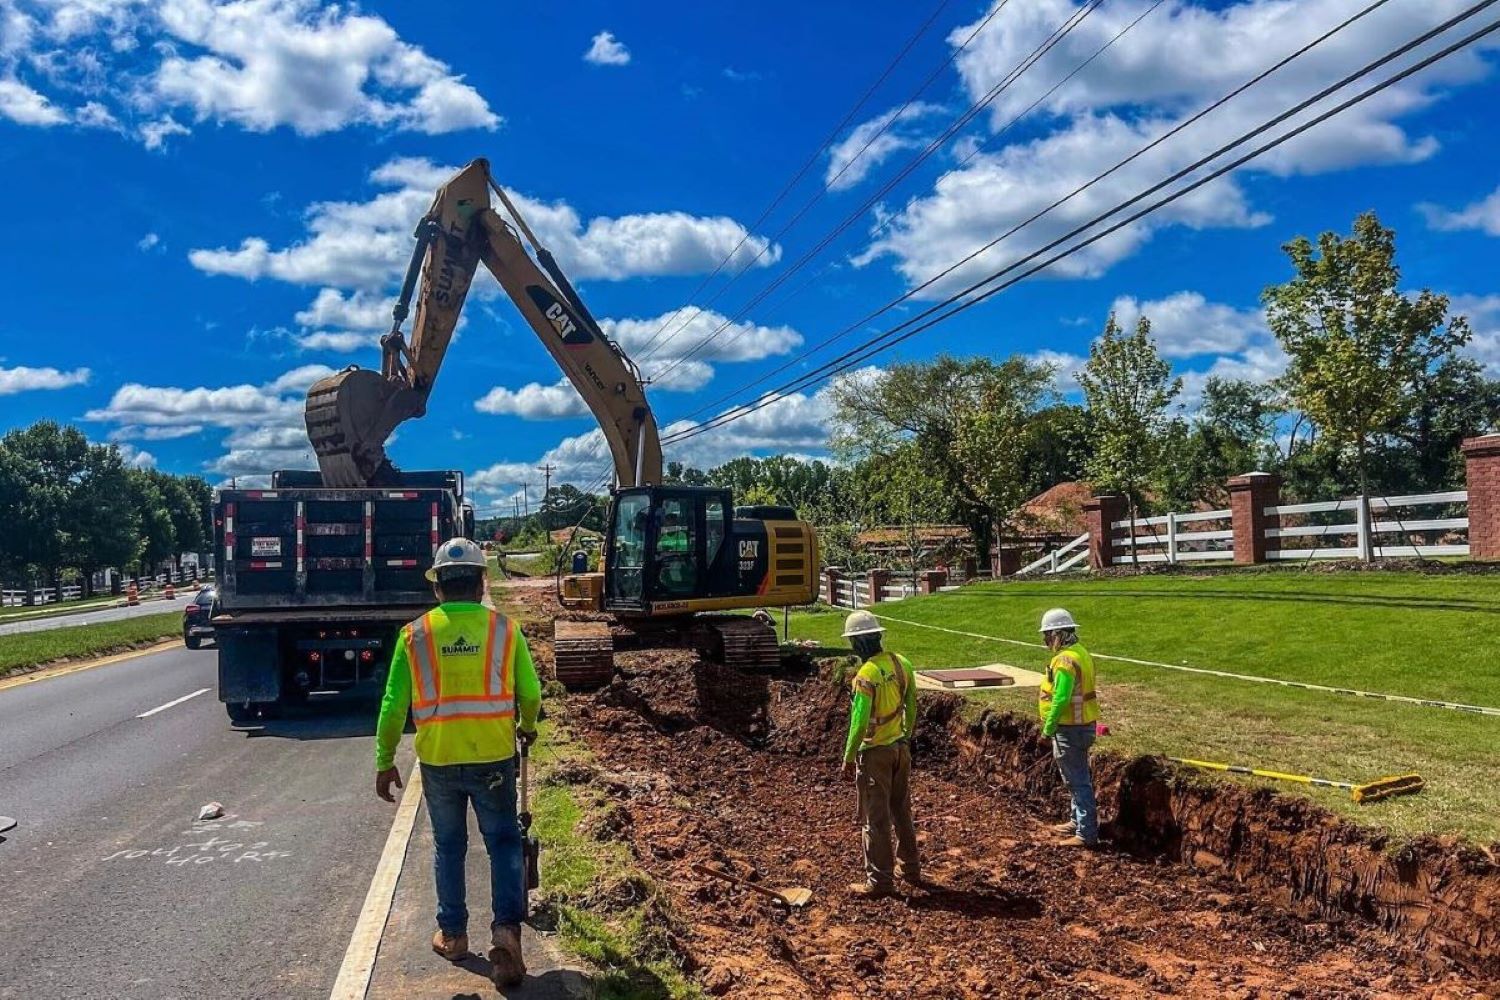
point(249, 665)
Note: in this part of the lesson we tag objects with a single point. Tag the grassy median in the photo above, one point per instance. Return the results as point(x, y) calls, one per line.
point(32, 649)
point(1423, 636)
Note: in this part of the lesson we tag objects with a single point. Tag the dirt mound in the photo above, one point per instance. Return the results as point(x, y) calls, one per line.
point(1276, 899)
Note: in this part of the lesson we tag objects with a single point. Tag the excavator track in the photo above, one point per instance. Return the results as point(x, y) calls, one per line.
point(742, 643)
point(584, 654)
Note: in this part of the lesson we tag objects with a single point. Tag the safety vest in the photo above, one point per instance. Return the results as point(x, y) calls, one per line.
point(463, 684)
point(1083, 707)
point(884, 679)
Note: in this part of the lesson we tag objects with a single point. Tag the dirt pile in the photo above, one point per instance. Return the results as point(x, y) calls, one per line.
point(742, 773)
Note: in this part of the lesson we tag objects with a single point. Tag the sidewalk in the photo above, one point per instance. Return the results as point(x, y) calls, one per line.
point(405, 966)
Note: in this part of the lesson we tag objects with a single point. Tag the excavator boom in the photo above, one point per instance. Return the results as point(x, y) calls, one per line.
point(350, 415)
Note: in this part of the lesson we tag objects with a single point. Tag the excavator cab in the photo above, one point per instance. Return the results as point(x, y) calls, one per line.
point(665, 549)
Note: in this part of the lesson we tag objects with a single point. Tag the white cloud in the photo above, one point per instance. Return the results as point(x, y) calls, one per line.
point(299, 379)
point(336, 341)
point(1260, 363)
point(666, 367)
point(358, 311)
point(534, 401)
point(135, 457)
point(606, 50)
point(1483, 312)
point(366, 245)
point(1186, 325)
point(148, 241)
point(25, 106)
point(95, 115)
point(258, 64)
point(23, 379)
point(1180, 59)
point(871, 143)
point(1065, 368)
point(1483, 215)
point(130, 433)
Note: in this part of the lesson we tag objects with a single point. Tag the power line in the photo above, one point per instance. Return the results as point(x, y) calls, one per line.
point(886, 223)
point(872, 347)
point(1074, 19)
point(797, 177)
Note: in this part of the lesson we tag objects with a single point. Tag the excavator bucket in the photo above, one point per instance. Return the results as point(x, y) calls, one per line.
point(349, 417)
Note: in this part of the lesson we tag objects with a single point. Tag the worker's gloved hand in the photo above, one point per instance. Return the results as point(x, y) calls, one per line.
point(383, 782)
point(525, 738)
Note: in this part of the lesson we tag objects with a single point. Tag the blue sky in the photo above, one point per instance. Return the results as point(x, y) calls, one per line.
point(209, 205)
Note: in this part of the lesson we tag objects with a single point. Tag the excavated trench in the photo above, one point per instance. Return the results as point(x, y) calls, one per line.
point(1205, 889)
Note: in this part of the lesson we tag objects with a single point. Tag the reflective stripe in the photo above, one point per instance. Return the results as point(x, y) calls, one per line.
point(423, 656)
point(477, 707)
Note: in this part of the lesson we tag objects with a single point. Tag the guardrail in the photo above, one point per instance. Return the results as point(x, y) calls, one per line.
point(12, 597)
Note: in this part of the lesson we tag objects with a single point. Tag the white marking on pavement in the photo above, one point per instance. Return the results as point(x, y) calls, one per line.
point(359, 960)
point(175, 701)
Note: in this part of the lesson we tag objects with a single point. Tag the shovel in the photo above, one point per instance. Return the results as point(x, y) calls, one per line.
point(531, 849)
point(795, 897)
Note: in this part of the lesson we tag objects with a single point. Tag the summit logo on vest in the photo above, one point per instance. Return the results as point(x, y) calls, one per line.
point(461, 647)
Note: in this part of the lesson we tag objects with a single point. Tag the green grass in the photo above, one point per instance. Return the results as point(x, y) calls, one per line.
point(1432, 637)
point(29, 649)
point(624, 942)
point(15, 614)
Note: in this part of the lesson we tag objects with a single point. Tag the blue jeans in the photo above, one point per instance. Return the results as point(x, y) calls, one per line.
point(448, 789)
point(1071, 750)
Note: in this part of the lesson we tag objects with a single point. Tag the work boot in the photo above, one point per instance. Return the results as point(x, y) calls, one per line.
point(507, 967)
point(1074, 841)
point(913, 877)
point(869, 890)
point(453, 947)
point(1069, 828)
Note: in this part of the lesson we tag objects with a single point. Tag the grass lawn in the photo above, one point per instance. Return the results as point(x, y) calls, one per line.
point(18, 652)
point(20, 613)
point(1432, 637)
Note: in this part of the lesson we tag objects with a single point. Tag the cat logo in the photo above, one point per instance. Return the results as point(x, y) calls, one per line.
point(461, 647)
point(750, 549)
point(572, 333)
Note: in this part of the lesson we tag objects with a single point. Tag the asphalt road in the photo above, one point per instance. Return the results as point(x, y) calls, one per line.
point(107, 614)
point(110, 887)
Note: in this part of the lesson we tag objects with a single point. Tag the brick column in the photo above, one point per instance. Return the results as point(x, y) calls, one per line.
point(1482, 470)
point(878, 580)
point(1249, 496)
point(1007, 560)
point(831, 582)
point(931, 580)
point(971, 567)
point(1098, 514)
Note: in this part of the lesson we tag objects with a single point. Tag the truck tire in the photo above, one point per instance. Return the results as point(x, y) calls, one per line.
point(241, 714)
point(192, 641)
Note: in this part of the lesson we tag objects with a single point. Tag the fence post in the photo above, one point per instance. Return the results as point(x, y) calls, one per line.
point(1362, 528)
point(831, 581)
point(1172, 538)
point(931, 581)
point(1052, 561)
point(878, 580)
point(1249, 496)
point(1482, 470)
point(1099, 513)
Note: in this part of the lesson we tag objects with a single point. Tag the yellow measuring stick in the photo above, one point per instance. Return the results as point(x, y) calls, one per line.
point(1380, 788)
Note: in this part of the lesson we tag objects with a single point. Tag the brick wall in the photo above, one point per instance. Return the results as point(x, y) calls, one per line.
point(1482, 469)
point(1098, 514)
point(1249, 496)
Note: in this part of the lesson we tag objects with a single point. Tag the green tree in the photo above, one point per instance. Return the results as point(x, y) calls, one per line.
point(158, 536)
point(1129, 389)
point(1359, 349)
point(49, 460)
point(994, 440)
point(1230, 435)
point(105, 526)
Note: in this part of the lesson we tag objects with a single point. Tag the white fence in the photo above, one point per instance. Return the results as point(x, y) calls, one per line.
point(1059, 560)
point(1200, 536)
point(1390, 536)
point(16, 597)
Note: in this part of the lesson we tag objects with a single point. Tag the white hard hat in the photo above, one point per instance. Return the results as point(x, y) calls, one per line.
point(1056, 620)
point(456, 552)
point(862, 623)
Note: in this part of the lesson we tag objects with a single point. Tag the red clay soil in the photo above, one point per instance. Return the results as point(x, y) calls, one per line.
point(720, 768)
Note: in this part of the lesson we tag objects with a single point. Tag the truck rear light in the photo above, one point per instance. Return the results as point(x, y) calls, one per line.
point(191, 609)
point(366, 656)
point(354, 633)
point(315, 656)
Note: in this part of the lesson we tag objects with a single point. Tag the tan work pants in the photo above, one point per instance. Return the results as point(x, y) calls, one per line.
point(883, 778)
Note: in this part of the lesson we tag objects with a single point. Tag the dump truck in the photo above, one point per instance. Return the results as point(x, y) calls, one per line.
point(315, 582)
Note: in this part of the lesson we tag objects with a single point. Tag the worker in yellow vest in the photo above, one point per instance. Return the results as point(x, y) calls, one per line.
point(464, 671)
point(877, 756)
point(1069, 707)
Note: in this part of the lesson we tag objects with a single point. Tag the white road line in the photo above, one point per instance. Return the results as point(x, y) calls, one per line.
point(175, 701)
point(359, 960)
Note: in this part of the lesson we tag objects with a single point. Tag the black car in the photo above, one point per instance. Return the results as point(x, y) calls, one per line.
point(196, 617)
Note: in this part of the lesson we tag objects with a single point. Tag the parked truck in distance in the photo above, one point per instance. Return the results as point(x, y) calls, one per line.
point(315, 582)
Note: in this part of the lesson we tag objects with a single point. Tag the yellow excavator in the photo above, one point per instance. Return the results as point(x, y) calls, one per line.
point(677, 559)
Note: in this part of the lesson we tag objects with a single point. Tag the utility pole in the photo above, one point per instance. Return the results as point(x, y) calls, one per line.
point(546, 470)
point(526, 496)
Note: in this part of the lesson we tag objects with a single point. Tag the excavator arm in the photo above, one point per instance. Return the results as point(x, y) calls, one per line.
point(350, 415)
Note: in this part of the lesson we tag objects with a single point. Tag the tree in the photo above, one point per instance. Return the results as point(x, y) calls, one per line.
point(1359, 350)
point(49, 460)
point(158, 536)
point(1129, 389)
point(994, 440)
point(106, 528)
point(927, 407)
point(1229, 436)
point(1421, 452)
